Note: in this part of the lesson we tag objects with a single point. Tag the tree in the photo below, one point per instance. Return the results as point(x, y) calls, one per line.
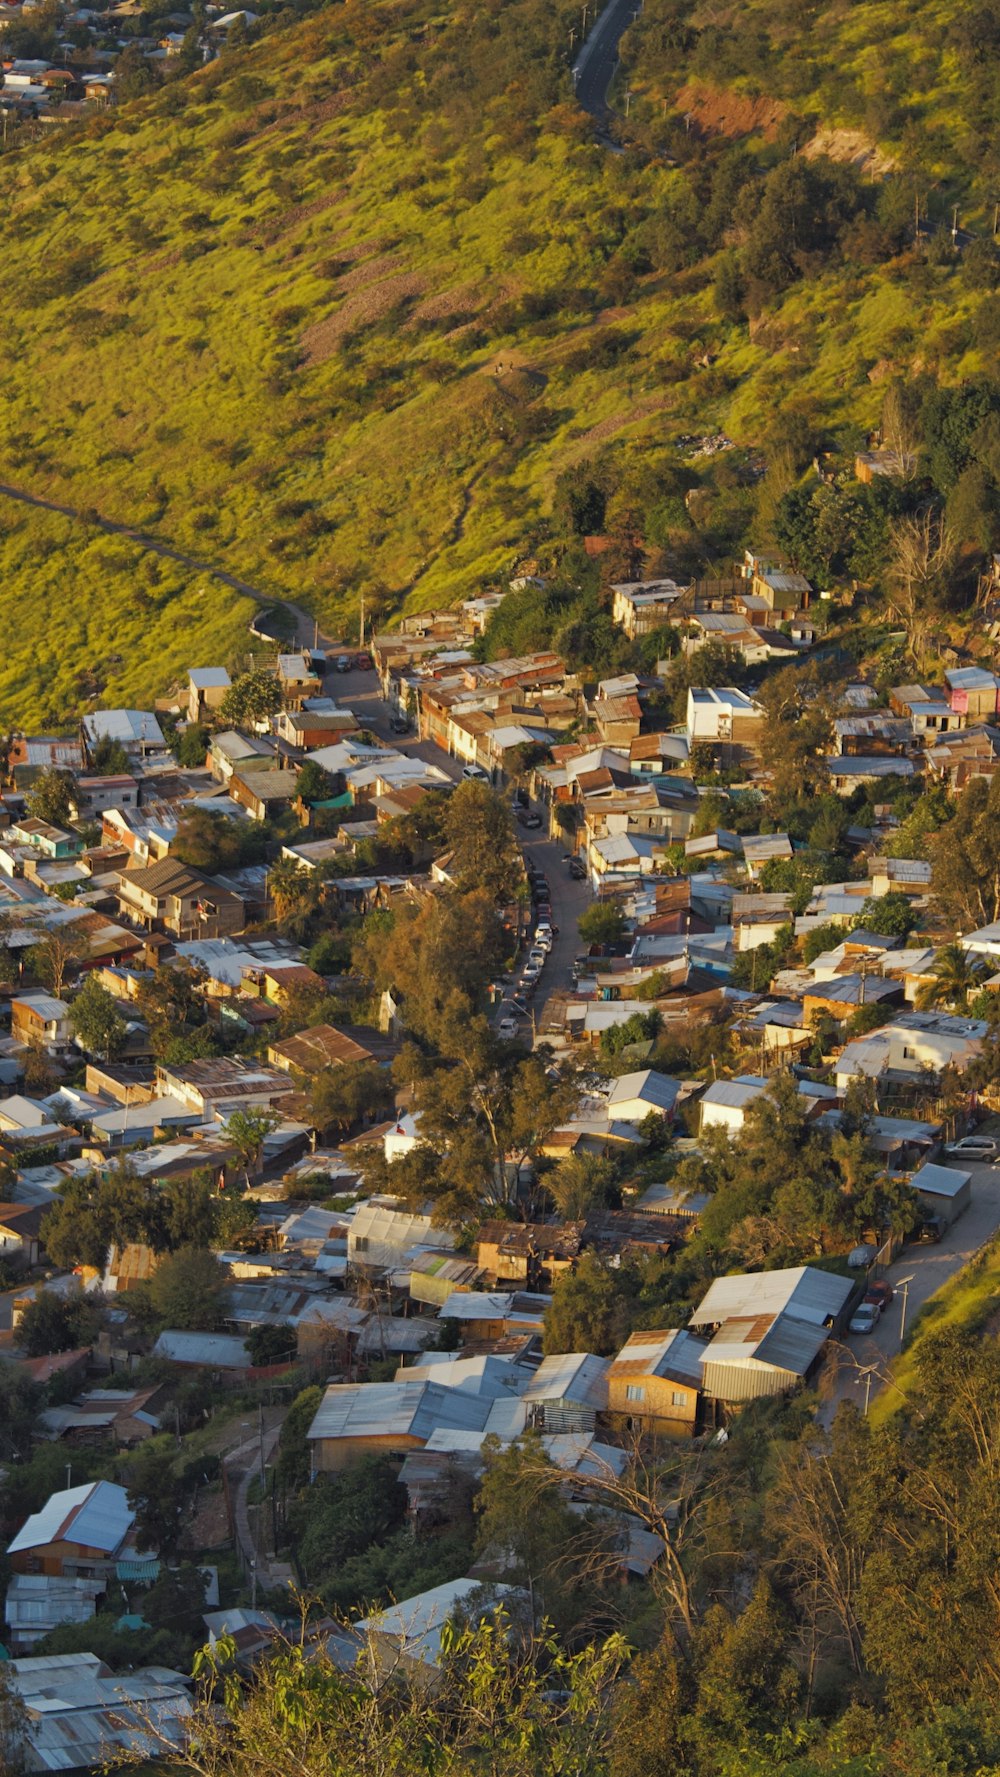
point(252, 698)
point(294, 1455)
point(55, 959)
point(956, 975)
point(289, 885)
point(247, 1131)
point(921, 556)
point(313, 784)
point(602, 923)
point(14, 1728)
point(157, 1496)
point(134, 76)
point(187, 1291)
point(94, 1212)
point(580, 1184)
point(479, 831)
point(340, 1097)
point(566, 1560)
point(109, 758)
point(965, 858)
point(211, 842)
point(50, 797)
point(501, 1702)
point(891, 915)
point(589, 1309)
point(58, 1323)
point(437, 957)
point(191, 747)
point(901, 426)
point(98, 1026)
point(271, 1345)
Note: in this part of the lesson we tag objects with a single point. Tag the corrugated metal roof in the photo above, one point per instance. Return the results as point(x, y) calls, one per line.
point(940, 1181)
point(220, 1351)
point(96, 1515)
point(813, 1294)
point(417, 1622)
point(571, 1376)
point(395, 1409)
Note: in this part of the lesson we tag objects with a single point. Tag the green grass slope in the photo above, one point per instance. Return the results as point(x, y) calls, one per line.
point(339, 311)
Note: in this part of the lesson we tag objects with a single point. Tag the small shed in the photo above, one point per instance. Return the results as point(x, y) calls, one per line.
point(943, 1190)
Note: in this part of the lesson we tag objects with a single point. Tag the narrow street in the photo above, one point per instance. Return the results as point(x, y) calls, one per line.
point(929, 1267)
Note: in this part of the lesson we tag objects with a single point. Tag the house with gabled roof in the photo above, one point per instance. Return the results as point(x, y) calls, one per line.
point(80, 1531)
point(655, 1382)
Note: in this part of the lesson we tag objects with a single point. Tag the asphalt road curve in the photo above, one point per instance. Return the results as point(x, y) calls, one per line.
point(595, 65)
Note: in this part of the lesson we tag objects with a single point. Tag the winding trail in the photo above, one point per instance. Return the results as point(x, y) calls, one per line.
point(304, 623)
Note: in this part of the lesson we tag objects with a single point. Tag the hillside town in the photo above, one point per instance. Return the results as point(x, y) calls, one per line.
point(431, 1075)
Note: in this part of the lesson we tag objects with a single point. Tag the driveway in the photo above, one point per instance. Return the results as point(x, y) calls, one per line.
point(929, 1267)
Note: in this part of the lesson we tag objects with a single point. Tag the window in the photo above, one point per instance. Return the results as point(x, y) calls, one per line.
point(634, 1393)
point(678, 1398)
point(361, 1243)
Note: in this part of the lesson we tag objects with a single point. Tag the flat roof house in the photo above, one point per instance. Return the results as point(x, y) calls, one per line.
point(207, 687)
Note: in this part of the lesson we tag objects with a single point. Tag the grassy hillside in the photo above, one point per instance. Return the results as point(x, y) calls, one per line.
point(339, 311)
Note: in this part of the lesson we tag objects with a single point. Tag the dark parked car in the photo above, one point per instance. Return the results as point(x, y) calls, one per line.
point(363, 663)
point(930, 1232)
point(531, 820)
point(880, 1293)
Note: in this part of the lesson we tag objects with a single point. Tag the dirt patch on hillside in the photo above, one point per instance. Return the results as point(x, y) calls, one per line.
point(854, 149)
point(617, 422)
point(461, 299)
point(362, 308)
point(715, 111)
point(369, 271)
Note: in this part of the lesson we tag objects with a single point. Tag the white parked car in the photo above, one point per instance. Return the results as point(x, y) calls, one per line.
point(864, 1319)
point(531, 970)
point(476, 771)
point(543, 936)
point(507, 1029)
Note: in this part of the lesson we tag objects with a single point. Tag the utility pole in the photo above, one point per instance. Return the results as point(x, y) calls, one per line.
point(572, 38)
point(916, 218)
point(904, 1285)
point(628, 100)
point(996, 219)
point(954, 224)
point(866, 1378)
point(585, 12)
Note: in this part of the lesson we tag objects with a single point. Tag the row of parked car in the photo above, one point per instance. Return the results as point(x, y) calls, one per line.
point(866, 1315)
point(515, 1004)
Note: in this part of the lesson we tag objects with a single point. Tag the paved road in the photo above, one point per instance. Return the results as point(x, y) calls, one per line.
point(929, 1267)
point(595, 66)
point(305, 625)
